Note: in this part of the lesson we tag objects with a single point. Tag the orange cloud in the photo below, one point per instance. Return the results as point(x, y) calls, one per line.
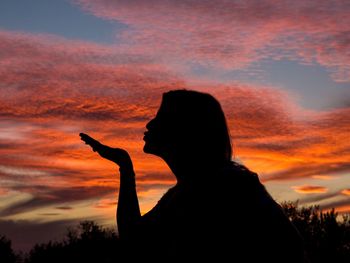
point(106, 203)
point(343, 209)
point(52, 90)
point(341, 204)
point(346, 192)
point(310, 189)
point(323, 177)
point(76, 80)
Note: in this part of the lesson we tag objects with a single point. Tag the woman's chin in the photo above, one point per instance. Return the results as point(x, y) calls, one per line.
point(147, 148)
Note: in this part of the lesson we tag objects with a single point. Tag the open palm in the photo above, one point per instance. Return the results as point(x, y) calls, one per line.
point(116, 155)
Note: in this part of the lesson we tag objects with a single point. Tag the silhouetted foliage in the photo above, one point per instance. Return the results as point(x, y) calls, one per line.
point(326, 237)
point(326, 234)
point(88, 242)
point(7, 255)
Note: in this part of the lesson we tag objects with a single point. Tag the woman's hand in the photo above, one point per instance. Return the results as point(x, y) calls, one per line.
point(116, 155)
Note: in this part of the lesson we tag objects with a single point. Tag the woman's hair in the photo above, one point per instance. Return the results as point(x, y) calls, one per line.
point(198, 124)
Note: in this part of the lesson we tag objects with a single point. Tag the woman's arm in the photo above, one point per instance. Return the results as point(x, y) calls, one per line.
point(128, 210)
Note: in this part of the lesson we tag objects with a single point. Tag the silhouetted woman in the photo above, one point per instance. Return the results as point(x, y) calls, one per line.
point(218, 210)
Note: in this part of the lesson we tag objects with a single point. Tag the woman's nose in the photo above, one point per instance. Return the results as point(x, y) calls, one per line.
point(150, 124)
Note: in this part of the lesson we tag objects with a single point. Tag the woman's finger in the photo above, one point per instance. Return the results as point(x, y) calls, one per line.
point(87, 139)
point(90, 141)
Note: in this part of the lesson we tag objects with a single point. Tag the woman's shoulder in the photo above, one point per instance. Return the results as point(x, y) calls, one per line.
point(239, 181)
point(238, 172)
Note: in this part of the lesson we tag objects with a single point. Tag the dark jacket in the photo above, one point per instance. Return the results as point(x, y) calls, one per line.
point(227, 216)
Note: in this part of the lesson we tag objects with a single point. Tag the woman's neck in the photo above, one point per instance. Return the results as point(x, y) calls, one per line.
point(191, 169)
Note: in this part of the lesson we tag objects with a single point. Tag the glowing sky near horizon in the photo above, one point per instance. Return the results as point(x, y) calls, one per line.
point(280, 71)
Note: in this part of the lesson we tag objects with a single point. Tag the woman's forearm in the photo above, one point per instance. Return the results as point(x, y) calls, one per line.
point(128, 210)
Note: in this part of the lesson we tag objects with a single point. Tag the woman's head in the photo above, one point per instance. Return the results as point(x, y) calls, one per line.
point(190, 125)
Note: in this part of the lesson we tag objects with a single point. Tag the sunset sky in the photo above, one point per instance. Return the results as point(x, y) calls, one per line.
point(280, 69)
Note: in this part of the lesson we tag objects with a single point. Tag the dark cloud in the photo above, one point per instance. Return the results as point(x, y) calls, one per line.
point(158, 177)
point(288, 145)
point(308, 170)
point(318, 198)
point(64, 207)
point(338, 205)
point(47, 196)
point(49, 214)
point(25, 234)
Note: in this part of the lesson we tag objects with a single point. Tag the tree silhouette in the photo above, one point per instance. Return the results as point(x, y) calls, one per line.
point(326, 234)
point(326, 237)
point(7, 255)
point(88, 242)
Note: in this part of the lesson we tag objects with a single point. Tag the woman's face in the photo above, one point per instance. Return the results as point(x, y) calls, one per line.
point(158, 136)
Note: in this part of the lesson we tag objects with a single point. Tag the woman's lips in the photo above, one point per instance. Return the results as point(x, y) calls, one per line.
point(145, 136)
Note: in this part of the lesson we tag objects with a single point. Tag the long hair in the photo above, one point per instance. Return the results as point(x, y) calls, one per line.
point(199, 125)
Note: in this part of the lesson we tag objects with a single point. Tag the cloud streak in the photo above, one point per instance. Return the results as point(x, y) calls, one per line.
point(45, 196)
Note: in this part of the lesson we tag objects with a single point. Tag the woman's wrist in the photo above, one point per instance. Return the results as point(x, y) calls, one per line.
point(126, 169)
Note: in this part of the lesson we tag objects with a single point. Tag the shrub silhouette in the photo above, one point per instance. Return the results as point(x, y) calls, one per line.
point(87, 242)
point(326, 236)
point(7, 255)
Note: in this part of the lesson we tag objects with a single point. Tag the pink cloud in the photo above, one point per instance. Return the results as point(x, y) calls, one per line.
point(234, 34)
point(80, 80)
